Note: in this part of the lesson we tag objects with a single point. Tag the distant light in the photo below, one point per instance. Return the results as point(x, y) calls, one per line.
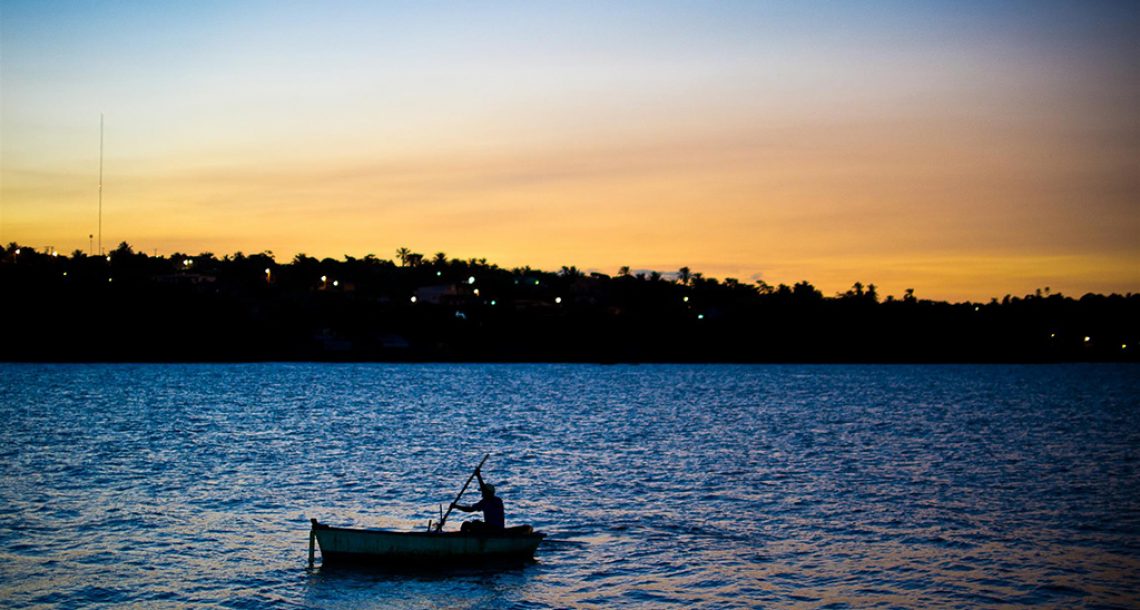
point(976, 308)
point(413, 299)
point(267, 270)
point(536, 282)
point(54, 253)
point(109, 280)
point(476, 292)
point(493, 304)
point(17, 250)
point(700, 316)
point(1052, 335)
point(438, 273)
point(336, 283)
point(471, 280)
point(324, 278)
point(558, 300)
point(1087, 339)
point(65, 275)
point(108, 258)
point(1122, 345)
point(685, 299)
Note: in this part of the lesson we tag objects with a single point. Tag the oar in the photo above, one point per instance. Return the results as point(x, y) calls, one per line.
point(443, 519)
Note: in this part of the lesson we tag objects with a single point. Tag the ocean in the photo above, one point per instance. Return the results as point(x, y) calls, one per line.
point(718, 486)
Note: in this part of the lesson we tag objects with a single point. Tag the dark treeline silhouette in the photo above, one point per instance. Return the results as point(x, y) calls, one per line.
point(129, 306)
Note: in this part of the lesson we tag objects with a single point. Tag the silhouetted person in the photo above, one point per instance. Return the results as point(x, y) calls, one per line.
point(492, 507)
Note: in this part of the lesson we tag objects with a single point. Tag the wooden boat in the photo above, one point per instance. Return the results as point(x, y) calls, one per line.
point(424, 549)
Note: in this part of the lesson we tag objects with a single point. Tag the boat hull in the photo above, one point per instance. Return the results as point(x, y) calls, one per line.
point(357, 546)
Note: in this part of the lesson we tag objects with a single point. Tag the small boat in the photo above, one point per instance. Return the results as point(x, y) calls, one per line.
point(433, 548)
point(423, 549)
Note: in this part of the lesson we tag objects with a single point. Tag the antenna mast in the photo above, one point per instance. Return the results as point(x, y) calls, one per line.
point(100, 184)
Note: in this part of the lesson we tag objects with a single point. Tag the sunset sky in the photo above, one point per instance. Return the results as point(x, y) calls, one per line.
point(963, 149)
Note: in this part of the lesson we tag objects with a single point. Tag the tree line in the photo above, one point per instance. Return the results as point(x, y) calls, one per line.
point(131, 306)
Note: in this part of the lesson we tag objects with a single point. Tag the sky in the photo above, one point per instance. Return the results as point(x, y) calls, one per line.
point(964, 149)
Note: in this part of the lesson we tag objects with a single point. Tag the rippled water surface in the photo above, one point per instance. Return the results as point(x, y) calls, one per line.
point(714, 486)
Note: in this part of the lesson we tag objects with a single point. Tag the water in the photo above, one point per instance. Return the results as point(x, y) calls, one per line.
point(684, 486)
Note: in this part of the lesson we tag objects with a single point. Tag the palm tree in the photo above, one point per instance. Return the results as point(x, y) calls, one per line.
point(403, 254)
point(683, 276)
point(624, 271)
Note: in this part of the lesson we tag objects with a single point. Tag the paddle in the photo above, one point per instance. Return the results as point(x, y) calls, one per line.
point(443, 519)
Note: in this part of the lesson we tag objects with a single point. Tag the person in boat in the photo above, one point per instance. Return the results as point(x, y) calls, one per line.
point(492, 507)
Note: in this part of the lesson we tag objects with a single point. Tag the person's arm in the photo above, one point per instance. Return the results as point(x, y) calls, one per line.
point(469, 508)
point(472, 507)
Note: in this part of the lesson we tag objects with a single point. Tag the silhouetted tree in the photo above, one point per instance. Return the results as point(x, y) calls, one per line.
point(234, 308)
point(804, 292)
point(683, 276)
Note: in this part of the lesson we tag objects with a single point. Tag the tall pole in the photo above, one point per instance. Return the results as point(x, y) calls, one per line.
point(100, 184)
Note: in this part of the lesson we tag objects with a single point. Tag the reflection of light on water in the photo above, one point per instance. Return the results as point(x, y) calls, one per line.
point(686, 486)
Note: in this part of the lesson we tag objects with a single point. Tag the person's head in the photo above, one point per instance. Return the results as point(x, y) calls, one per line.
point(488, 490)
